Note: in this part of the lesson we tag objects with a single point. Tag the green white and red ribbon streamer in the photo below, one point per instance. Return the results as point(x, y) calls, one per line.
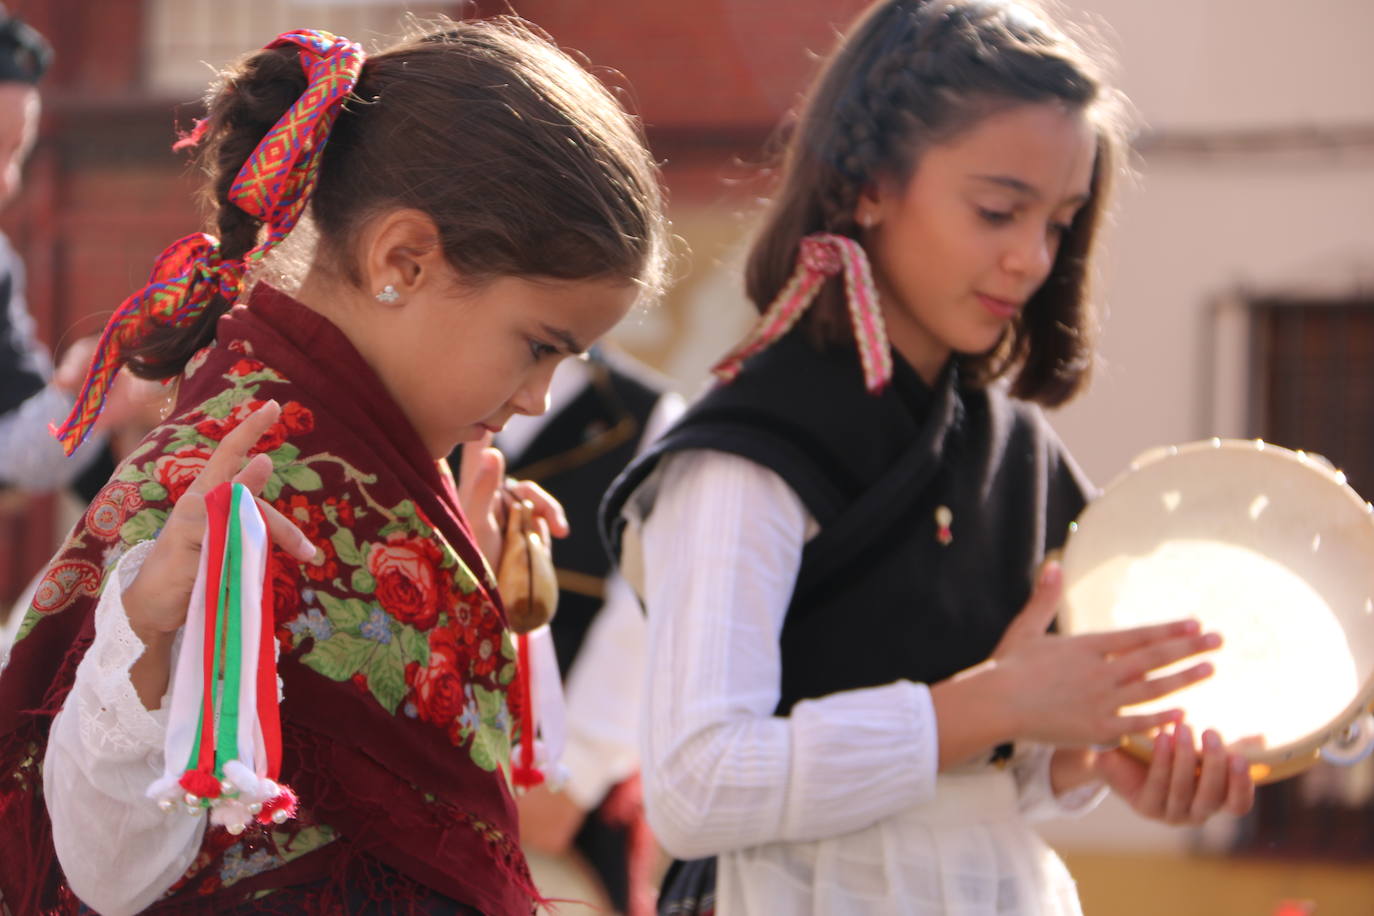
point(223, 743)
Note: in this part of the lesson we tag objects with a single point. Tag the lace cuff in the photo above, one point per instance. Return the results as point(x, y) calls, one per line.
point(113, 721)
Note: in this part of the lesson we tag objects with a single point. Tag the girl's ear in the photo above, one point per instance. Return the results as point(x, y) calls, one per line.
point(868, 210)
point(400, 255)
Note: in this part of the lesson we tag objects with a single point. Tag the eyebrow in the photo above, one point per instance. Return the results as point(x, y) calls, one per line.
point(567, 340)
point(1021, 187)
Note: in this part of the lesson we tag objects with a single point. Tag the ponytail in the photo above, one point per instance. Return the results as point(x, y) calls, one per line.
point(197, 279)
point(250, 98)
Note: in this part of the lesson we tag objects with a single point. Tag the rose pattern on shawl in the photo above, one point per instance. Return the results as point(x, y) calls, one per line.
point(437, 687)
point(329, 616)
point(400, 616)
point(406, 573)
point(177, 471)
point(294, 419)
point(286, 584)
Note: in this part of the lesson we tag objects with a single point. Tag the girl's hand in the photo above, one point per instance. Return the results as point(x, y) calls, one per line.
point(157, 600)
point(549, 820)
point(486, 495)
point(1174, 788)
point(1069, 690)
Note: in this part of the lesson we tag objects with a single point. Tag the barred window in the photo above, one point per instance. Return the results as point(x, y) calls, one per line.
point(187, 40)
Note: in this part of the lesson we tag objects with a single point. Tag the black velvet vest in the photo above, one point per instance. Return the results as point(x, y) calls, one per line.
point(879, 598)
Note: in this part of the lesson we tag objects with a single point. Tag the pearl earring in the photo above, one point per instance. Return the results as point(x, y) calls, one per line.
point(388, 295)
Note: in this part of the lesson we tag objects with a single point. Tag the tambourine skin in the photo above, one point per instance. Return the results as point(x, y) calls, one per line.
point(1269, 547)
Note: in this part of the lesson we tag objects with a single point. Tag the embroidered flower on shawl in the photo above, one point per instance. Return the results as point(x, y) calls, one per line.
point(234, 867)
point(178, 470)
point(437, 687)
point(377, 627)
point(406, 571)
point(111, 507)
point(311, 623)
point(295, 419)
point(286, 584)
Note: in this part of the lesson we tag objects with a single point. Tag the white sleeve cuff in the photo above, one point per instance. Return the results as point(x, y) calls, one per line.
point(1031, 768)
point(114, 722)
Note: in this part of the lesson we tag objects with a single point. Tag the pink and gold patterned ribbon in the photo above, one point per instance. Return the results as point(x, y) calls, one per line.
point(821, 256)
point(274, 185)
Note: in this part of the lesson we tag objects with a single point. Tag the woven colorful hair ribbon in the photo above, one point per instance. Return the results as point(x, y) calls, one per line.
point(223, 744)
point(274, 185)
point(820, 257)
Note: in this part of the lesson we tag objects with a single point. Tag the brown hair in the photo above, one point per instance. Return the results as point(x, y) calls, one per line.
point(524, 161)
point(911, 74)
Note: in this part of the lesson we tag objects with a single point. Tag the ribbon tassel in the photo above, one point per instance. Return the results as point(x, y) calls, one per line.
point(223, 743)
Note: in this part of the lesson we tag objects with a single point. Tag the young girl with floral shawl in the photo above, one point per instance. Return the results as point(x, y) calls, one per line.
point(484, 209)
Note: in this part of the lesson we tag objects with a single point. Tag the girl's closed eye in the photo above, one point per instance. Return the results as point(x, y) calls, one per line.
point(539, 350)
point(995, 217)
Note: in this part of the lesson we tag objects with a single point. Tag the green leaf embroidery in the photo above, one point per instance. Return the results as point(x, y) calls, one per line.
point(143, 526)
point(414, 644)
point(223, 404)
point(31, 618)
point(340, 656)
point(463, 578)
point(344, 613)
point(185, 435)
point(386, 677)
point(283, 455)
point(346, 547)
point(272, 489)
point(262, 375)
point(490, 747)
point(507, 675)
point(363, 583)
point(299, 477)
point(490, 703)
point(152, 491)
point(132, 473)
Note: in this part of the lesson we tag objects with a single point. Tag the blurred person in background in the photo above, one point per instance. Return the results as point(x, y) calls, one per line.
point(603, 411)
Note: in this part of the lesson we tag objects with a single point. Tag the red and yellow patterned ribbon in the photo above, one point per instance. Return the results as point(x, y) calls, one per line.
point(274, 185)
point(821, 256)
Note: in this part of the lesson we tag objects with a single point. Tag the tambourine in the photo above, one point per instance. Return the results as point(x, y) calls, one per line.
point(1271, 549)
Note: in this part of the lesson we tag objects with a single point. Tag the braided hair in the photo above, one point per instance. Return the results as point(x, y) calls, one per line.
point(912, 74)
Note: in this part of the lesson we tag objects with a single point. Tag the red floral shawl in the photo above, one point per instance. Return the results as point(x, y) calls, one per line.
point(395, 656)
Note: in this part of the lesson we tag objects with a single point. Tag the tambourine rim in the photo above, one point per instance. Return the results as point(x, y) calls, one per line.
point(1285, 759)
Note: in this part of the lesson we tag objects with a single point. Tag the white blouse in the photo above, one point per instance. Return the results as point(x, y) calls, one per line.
point(118, 850)
point(838, 807)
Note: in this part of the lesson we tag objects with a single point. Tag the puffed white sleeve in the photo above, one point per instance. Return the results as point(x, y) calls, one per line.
point(721, 549)
point(118, 850)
